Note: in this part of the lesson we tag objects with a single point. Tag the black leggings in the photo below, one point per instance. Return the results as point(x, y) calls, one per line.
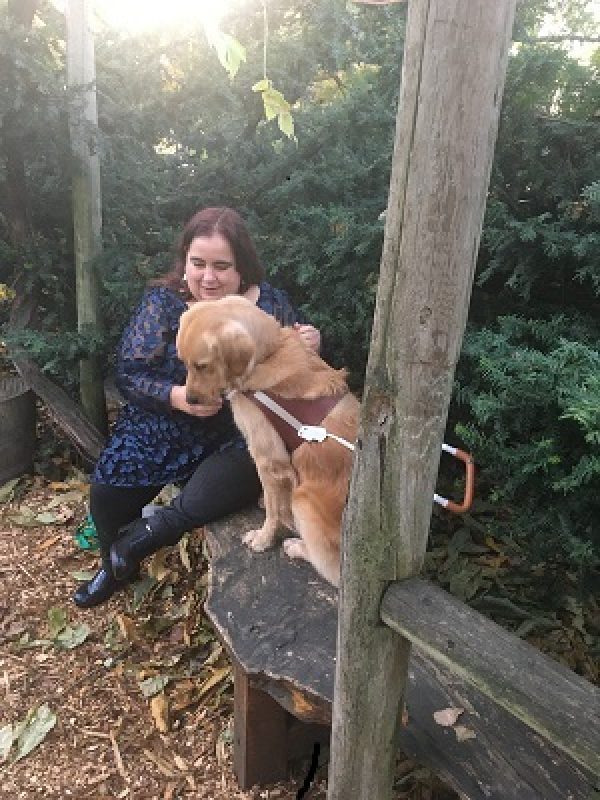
point(223, 483)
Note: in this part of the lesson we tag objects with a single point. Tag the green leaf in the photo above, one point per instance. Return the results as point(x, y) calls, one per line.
point(262, 86)
point(274, 102)
point(38, 723)
point(151, 686)
point(82, 575)
point(46, 518)
point(57, 620)
point(7, 490)
point(141, 589)
point(229, 51)
point(7, 737)
point(286, 124)
point(72, 637)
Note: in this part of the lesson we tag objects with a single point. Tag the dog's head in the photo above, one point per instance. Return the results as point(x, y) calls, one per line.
point(219, 342)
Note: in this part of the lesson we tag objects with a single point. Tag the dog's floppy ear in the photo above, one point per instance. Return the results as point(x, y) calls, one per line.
point(237, 349)
point(184, 324)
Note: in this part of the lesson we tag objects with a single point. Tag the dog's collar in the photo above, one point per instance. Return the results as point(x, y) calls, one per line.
point(294, 433)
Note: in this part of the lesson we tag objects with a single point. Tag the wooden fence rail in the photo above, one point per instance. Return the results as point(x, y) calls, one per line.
point(545, 695)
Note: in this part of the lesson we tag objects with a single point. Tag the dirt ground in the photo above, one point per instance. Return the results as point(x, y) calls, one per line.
point(132, 700)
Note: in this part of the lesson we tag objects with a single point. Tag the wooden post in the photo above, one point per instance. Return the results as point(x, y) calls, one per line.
point(87, 203)
point(260, 743)
point(453, 73)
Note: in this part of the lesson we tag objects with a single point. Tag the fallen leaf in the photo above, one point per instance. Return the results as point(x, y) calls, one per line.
point(72, 637)
point(76, 488)
point(159, 708)
point(68, 497)
point(447, 716)
point(463, 733)
point(47, 518)
point(7, 490)
point(82, 575)
point(216, 651)
point(57, 620)
point(216, 678)
point(141, 589)
point(7, 737)
point(495, 562)
point(184, 553)
point(493, 544)
point(38, 723)
point(151, 686)
point(221, 752)
point(157, 567)
point(47, 543)
point(170, 789)
point(127, 627)
point(180, 763)
point(159, 762)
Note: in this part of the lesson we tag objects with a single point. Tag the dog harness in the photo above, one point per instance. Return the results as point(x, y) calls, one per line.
point(280, 413)
point(285, 413)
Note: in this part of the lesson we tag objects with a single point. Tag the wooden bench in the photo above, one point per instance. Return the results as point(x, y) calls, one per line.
point(278, 621)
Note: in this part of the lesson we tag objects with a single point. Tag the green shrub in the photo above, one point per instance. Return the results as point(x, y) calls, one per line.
point(531, 395)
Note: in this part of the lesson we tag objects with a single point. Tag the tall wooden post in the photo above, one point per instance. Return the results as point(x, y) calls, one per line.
point(87, 202)
point(453, 73)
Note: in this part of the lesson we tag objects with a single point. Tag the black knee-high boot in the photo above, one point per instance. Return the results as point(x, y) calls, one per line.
point(138, 540)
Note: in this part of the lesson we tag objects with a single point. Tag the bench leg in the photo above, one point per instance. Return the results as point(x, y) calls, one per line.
point(259, 735)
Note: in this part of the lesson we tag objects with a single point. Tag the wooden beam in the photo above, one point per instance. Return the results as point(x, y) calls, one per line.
point(70, 417)
point(452, 79)
point(545, 695)
point(87, 200)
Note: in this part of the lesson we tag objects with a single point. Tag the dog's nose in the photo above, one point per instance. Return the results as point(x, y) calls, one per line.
point(191, 399)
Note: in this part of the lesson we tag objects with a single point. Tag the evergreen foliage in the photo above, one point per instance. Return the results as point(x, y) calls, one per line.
point(176, 133)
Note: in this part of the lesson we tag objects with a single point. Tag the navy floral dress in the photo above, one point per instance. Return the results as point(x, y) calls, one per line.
point(152, 444)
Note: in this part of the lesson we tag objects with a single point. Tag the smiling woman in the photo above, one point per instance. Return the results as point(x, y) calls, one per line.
point(135, 16)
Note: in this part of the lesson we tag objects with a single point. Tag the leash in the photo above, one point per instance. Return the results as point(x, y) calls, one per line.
point(317, 433)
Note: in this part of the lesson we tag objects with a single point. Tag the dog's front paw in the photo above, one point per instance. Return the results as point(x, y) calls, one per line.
point(259, 540)
point(295, 548)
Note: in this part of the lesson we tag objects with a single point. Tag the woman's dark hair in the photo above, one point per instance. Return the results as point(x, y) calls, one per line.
point(232, 227)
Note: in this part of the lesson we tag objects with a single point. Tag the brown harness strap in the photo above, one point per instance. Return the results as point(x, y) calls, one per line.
point(308, 412)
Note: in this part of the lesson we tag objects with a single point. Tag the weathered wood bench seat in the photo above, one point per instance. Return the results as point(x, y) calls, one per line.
point(278, 621)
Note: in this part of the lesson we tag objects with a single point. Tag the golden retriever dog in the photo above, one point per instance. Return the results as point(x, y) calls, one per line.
point(230, 346)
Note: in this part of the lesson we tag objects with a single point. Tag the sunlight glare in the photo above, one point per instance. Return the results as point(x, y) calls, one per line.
point(136, 16)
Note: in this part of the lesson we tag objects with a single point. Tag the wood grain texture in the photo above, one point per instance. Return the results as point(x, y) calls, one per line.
point(453, 73)
point(547, 696)
point(87, 198)
point(278, 620)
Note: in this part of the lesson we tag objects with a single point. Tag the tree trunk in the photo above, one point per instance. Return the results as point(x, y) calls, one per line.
point(11, 134)
point(453, 73)
point(87, 204)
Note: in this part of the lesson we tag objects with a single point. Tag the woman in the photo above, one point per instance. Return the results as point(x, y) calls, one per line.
point(158, 437)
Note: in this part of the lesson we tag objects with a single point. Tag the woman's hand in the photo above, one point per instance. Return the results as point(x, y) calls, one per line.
point(178, 402)
point(310, 335)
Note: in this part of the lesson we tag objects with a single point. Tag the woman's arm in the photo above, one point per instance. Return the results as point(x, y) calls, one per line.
point(145, 367)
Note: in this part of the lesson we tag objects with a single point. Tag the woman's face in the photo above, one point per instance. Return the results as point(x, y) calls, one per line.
point(210, 268)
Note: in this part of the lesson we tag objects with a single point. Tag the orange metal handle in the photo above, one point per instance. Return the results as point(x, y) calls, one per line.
point(467, 459)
